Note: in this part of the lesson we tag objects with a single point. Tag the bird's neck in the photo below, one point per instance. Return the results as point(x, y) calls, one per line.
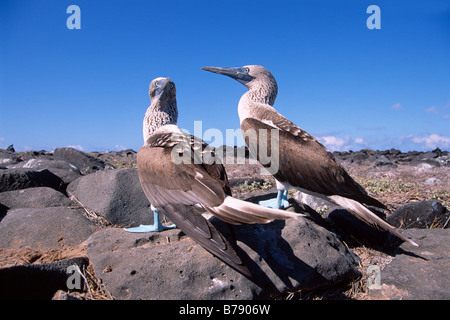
point(263, 94)
point(157, 116)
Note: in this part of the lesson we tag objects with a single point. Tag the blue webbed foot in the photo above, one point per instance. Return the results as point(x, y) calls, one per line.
point(157, 226)
point(149, 228)
point(280, 202)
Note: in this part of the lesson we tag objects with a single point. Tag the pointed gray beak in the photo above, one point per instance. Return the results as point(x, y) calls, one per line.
point(238, 74)
point(164, 91)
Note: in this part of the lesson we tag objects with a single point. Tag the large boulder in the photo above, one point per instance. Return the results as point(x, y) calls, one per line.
point(44, 228)
point(115, 195)
point(83, 161)
point(417, 273)
point(40, 197)
point(15, 179)
point(383, 161)
point(282, 255)
point(41, 281)
point(63, 169)
point(421, 214)
point(7, 158)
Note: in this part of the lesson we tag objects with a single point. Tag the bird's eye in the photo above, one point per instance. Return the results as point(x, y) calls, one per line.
point(156, 83)
point(171, 85)
point(247, 70)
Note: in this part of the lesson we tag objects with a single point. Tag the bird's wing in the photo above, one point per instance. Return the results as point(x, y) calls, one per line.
point(270, 116)
point(210, 163)
point(173, 172)
point(305, 163)
point(174, 188)
point(199, 152)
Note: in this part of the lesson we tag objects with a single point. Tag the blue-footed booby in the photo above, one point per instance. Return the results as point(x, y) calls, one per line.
point(304, 163)
point(176, 188)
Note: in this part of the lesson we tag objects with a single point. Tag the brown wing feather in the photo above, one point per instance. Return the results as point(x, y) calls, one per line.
point(215, 169)
point(263, 111)
point(175, 188)
point(306, 163)
point(189, 183)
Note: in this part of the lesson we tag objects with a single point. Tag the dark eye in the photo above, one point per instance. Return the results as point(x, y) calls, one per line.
point(156, 83)
point(171, 86)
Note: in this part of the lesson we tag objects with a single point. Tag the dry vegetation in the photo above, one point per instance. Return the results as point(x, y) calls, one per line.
point(405, 184)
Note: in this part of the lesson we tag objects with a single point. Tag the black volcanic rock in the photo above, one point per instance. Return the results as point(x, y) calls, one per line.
point(39, 197)
point(44, 228)
point(83, 161)
point(116, 195)
point(417, 273)
point(282, 255)
point(63, 169)
point(14, 179)
point(8, 158)
point(422, 214)
point(41, 281)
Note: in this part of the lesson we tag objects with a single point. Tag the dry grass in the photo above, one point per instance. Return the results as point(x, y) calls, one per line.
point(90, 214)
point(247, 187)
point(95, 289)
point(405, 184)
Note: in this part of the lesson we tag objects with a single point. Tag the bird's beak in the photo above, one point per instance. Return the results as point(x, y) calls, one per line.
point(238, 74)
point(165, 89)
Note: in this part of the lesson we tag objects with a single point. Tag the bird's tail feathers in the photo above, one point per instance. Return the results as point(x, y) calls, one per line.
point(364, 214)
point(236, 211)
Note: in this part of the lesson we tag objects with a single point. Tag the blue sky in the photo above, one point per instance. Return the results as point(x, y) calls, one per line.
point(349, 86)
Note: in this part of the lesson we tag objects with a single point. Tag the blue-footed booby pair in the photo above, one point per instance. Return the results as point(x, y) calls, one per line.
point(176, 188)
point(304, 163)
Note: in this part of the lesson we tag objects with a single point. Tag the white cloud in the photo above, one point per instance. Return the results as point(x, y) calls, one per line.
point(334, 143)
point(78, 147)
point(439, 111)
point(431, 109)
point(360, 141)
point(432, 141)
point(2, 139)
point(120, 147)
point(397, 106)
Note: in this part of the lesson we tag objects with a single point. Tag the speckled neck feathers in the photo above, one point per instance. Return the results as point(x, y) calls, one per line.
point(263, 91)
point(160, 113)
point(261, 95)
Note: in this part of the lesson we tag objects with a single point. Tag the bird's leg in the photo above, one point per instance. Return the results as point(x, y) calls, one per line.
point(280, 202)
point(157, 226)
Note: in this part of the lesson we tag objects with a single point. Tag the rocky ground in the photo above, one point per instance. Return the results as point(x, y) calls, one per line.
point(66, 209)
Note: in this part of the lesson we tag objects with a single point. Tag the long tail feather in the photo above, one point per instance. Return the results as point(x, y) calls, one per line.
point(238, 211)
point(364, 214)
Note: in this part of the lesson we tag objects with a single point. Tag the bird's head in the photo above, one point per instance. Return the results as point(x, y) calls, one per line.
point(163, 109)
point(249, 76)
point(162, 89)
